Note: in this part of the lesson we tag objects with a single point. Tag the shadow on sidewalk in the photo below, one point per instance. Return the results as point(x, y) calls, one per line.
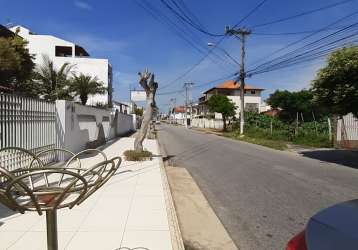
point(339, 156)
point(5, 212)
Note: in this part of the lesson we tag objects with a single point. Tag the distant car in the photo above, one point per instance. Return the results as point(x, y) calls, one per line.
point(157, 122)
point(333, 228)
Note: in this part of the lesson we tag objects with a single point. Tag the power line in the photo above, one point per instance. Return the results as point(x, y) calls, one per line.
point(189, 12)
point(307, 56)
point(218, 43)
point(198, 85)
point(294, 33)
point(307, 46)
point(303, 13)
point(183, 33)
point(188, 20)
point(152, 11)
point(303, 38)
point(311, 51)
point(256, 8)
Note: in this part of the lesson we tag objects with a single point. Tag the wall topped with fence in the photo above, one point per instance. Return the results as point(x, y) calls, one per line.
point(27, 123)
point(37, 125)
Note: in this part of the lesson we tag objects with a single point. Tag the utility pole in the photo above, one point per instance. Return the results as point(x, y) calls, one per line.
point(187, 87)
point(172, 106)
point(241, 33)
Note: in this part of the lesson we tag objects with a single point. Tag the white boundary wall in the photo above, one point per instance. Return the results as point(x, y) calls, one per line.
point(78, 125)
point(207, 123)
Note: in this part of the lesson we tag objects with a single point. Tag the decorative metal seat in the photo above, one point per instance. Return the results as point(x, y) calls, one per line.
point(47, 187)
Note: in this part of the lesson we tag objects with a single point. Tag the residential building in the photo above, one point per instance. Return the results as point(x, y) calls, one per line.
point(122, 107)
point(274, 112)
point(264, 107)
point(231, 89)
point(178, 113)
point(61, 51)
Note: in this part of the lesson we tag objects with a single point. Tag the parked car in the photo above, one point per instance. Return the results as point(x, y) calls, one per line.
point(157, 122)
point(333, 228)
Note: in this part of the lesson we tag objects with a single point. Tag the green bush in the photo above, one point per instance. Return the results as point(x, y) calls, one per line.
point(313, 134)
point(133, 155)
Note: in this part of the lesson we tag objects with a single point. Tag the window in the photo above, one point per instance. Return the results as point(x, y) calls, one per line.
point(253, 92)
point(63, 51)
point(252, 107)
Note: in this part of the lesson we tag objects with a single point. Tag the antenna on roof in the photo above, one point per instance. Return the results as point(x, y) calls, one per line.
point(8, 24)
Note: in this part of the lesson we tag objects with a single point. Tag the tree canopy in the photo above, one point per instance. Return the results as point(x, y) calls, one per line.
point(336, 85)
point(223, 105)
point(16, 66)
point(54, 83)
point(291, 103)
point(85, 85)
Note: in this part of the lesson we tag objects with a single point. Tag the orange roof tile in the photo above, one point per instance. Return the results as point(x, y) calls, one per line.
point(231, 84)
point(179, 109)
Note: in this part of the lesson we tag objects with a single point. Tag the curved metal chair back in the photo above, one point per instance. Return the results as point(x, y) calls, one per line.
point(39, 187)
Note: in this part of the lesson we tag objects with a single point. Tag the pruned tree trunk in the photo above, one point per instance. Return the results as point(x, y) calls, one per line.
point(150, 86)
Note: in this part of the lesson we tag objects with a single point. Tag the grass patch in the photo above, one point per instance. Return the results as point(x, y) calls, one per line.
point(280, 138)
point(271, 143)
point(312, 140)
point(133, 155)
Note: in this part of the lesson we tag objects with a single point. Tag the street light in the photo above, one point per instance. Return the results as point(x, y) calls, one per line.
point(225, 52)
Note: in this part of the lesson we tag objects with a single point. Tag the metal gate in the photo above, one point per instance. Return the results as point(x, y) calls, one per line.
point(27, 123)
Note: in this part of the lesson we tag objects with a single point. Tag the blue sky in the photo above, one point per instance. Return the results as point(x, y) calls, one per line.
point(133, 40)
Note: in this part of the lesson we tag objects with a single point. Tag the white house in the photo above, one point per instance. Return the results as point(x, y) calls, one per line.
point(61, 51)
point(231, 89)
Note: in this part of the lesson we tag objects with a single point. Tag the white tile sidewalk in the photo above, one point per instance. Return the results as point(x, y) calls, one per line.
point(128, 212)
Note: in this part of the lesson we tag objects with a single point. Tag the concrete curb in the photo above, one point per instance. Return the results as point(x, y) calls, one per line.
point(175, 233)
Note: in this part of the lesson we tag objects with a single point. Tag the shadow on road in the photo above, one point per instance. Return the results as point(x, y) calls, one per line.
point(338, 156)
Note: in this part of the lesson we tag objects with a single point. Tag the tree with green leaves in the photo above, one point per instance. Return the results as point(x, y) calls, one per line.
point(138, 111)
point(296, 102)
point(54, 83)
point(85, 85)
point(223, 105)
point(336, 85)
point(16, 66)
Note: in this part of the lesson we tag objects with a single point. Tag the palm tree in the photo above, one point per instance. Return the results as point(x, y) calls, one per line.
point(54, 82)
point(85, 85)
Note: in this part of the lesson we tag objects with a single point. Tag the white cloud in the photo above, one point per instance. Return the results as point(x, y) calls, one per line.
point(97, 44)
point(82, 5)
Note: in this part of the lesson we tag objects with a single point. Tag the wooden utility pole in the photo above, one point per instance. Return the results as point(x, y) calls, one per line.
point(241, 33)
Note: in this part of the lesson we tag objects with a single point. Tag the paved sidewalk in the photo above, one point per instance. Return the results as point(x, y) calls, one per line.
point(128, 212)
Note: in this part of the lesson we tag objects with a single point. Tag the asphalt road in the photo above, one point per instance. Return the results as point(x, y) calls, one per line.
point(262, 196)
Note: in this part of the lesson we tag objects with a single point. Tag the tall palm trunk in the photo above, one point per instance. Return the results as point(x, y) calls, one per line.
point(84, 99)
